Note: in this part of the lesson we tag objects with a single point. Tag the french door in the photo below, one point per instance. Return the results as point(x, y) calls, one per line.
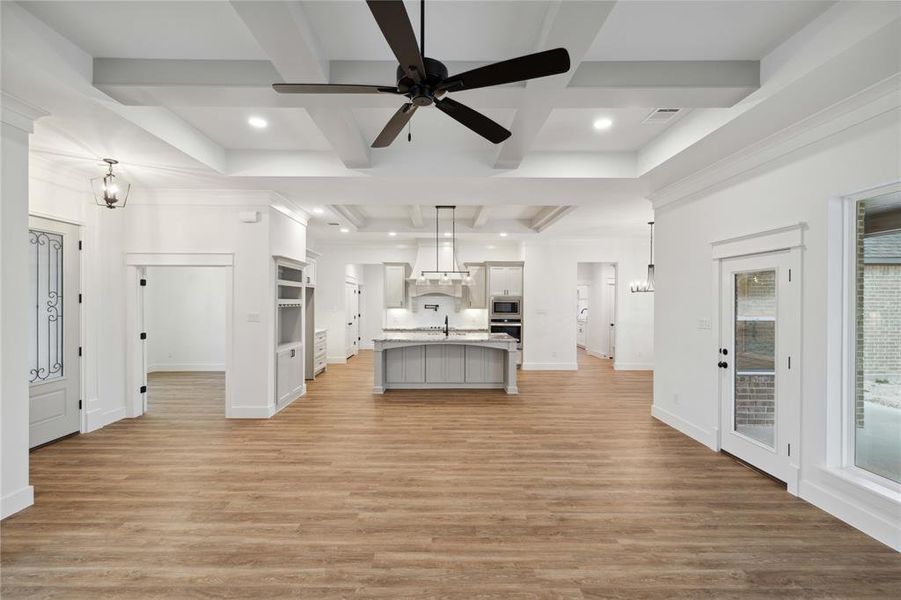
point(54, 375)
point(759, 361)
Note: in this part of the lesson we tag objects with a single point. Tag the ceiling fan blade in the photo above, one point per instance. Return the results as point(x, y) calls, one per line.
point(530, 66)
point(476, 121)
point(395, 125)
point(392, 19)
point(330, 88)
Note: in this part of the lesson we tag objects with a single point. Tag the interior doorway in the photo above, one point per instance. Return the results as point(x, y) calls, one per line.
point(595, 311)
point(54, 372)
point(184, 347)
point(351, 318)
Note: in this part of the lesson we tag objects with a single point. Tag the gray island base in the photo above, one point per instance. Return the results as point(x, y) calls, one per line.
point(431, 360)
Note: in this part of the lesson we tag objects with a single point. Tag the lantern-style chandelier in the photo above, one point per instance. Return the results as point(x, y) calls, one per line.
point(648, 284)
point(110, 190)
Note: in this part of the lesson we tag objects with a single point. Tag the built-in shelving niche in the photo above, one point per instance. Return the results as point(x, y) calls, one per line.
point(290, 290)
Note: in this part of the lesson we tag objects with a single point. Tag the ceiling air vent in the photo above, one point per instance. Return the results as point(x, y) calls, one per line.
point(662, 115)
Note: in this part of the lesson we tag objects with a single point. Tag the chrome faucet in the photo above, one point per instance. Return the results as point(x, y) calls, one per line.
point(446, 329)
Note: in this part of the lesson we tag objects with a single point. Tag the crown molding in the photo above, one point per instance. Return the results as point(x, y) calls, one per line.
point(775, 150)
point(18, 113)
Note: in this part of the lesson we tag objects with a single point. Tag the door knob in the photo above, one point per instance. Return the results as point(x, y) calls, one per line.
point(722, 365)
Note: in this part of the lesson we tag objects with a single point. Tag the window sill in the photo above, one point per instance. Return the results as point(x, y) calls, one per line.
point(886, 490)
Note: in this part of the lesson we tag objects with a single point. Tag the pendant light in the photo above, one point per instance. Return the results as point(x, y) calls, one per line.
point(110, 190)
point(648, 284)
point(444, 276)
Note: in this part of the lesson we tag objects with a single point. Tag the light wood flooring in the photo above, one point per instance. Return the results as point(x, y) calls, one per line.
point(569, 490)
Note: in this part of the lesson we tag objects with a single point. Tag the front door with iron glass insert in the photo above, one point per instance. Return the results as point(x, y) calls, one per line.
point(53, 369)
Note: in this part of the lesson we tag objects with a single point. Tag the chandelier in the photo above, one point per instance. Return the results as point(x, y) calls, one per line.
point(648, 284)
point(110, 190)
point(443, 275)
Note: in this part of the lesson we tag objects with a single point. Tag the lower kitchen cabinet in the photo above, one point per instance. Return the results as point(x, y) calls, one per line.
point(444, 364)
point(405, 365)
point(484, 365)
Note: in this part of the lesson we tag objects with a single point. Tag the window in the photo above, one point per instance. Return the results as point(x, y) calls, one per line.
point(877, 389)
point(45, 352)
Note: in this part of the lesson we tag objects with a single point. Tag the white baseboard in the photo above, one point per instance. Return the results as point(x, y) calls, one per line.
point(874, 526)
point(632, 366)
point(249, 412)
point(112, 415)
point(336, 360)
point(95, 418)
point(279, 409)
point(708, 438)
point(596, 353)
point(181, 367)
point(13, 502)
point(562, 366)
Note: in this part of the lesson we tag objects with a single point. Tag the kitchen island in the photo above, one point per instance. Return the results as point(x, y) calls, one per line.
point(433, 360)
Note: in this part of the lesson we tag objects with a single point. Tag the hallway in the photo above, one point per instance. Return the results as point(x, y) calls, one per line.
point(569, 490)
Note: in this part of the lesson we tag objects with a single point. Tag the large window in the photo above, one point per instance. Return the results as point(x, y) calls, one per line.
point(877, 402)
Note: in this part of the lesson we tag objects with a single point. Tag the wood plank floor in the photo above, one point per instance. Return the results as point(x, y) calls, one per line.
point(569, 490)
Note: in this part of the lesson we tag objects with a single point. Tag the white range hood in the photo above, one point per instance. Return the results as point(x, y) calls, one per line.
point(426, 261)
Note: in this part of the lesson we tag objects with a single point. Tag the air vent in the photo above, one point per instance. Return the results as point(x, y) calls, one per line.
point(334, 224)
point(662, 115)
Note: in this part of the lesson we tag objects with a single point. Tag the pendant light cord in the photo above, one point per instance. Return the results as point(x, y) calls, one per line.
point(651, 223)
point(422, 28)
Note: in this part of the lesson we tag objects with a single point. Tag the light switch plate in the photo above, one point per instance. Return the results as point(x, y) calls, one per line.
point(253, 317)
point(704, 324)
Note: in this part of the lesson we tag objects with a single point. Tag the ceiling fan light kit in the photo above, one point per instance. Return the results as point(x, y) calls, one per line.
point(425, 81)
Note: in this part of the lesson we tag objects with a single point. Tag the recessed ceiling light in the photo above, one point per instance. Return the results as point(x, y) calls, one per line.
point(345, 230)
point(491, 247)
point(257, 122)
point(447, 234)
point(503, 234)
point(604, 123)
point(318, 211)
point(392, 233)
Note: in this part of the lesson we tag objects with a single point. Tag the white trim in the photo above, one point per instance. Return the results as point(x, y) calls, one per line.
point(250, 412)
point(850, 511)
point(112, 415)
point(561, 366)
point(336, 360)
point(13, 502)
point(632, 366)
point(595, 353)
point(18, 113)
point(179, 259)
point(695, 432)
point(185, 367)
point(769, 240)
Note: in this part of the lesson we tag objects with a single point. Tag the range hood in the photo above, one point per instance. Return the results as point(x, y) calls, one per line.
point(426, 262)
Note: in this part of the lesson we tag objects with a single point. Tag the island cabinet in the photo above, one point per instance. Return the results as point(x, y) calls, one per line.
point(405, 365)
point(484, 365)
point(444, 364)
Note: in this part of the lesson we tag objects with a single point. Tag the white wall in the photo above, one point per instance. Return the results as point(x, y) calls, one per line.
point(373, 304)
point(184, 317)
point(802, 187)
point(550, 278)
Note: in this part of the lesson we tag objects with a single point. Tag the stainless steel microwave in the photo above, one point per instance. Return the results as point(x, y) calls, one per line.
point(506, 307)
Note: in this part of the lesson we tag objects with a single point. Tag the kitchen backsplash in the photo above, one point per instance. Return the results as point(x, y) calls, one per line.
point(468, 318)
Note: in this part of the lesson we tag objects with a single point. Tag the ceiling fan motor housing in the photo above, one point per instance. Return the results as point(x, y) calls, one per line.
point(422, 93)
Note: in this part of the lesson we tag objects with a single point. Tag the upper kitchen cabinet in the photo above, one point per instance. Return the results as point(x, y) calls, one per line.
point(310, 270)
point(477, 291)
point(396, 275)
point(505, 280)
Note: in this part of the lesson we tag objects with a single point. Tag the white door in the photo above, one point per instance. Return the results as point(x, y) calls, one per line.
point(609, 316)
point(54, 375)
point(350, 318)
point(759, 362)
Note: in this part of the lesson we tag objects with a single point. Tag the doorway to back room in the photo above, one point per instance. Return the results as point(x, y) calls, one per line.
point(184, 321)
point(595, 310)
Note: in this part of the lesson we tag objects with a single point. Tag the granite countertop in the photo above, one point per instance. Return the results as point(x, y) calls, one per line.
point(436, 337)
point(440, 329)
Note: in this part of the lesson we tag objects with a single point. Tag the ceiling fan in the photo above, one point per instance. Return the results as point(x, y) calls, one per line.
point(424, 81)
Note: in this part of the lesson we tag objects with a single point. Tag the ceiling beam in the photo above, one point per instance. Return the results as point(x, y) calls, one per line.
point(415, 212)
point(481, 217)
point(284, 33)
point(247, 83)
point(574, 26)
point(549, 215)
point(351, 214)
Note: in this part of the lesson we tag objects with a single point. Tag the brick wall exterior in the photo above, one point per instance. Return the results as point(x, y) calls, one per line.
point(755, 400)
point(858, 401)
point(882, 322)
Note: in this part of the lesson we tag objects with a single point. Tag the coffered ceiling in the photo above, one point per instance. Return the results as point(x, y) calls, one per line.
point(169, 87)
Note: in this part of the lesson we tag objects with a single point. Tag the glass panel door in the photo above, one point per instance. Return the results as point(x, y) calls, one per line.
point(754, 399)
